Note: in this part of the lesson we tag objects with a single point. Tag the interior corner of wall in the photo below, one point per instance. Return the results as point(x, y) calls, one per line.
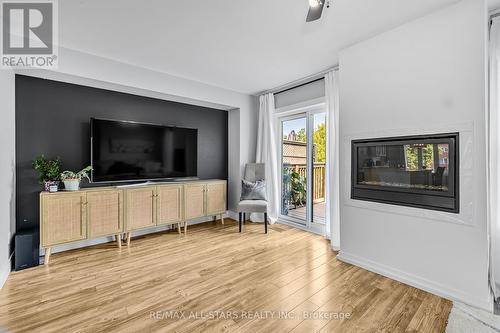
point(4, 272)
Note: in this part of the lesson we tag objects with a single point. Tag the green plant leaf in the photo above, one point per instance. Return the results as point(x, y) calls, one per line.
point(48, 170)
point(66, 175)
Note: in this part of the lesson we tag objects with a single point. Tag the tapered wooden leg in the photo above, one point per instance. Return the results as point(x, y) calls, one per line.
point(222, 218)
point(265, 222)
point(129, 236)
point(179, 228)
point(47, 255)
point(185, 227)
point(244, 218)
point(119, 240)
point(239, 220)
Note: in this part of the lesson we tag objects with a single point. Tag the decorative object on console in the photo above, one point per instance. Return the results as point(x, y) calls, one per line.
point(72, 179)
point(48, 170)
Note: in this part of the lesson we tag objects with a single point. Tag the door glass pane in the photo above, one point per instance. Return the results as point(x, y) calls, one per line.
point(318, 183)
point(294, 168)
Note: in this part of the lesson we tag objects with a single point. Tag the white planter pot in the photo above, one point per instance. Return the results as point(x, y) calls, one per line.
point(71, 185)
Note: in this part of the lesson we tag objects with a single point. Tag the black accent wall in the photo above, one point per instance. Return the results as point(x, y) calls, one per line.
point(53, 118)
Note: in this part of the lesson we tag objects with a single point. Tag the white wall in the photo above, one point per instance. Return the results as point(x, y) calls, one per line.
point(425, 76)
point(7, 170)
point(234, 167)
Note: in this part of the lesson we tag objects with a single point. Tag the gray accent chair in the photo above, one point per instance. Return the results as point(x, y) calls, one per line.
point(253, 173)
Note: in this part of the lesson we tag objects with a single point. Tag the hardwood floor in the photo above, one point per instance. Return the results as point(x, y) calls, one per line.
point(219, 280)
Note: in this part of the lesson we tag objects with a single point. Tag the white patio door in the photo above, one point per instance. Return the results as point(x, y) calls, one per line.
point(302, 147)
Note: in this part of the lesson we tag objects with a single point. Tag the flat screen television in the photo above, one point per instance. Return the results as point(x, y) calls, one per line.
point(130, 151)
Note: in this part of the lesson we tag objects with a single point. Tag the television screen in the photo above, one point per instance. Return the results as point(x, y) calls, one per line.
point(129, 151)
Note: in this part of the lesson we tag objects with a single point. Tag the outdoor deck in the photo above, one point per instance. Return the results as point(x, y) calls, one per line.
point(319, 212)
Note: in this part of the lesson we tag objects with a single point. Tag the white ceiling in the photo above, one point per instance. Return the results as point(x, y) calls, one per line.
point(246, 46)
point(493, 4)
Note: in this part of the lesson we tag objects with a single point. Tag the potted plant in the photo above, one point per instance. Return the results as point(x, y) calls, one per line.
point(72, 179)
point(49, 171)
point(298, 192)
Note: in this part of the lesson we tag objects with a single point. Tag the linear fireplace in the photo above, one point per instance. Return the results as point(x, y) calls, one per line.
point(417, 171)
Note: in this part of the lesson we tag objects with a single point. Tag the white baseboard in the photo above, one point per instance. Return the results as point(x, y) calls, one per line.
point(232, 215)
point(416, 281)
point(102, 240)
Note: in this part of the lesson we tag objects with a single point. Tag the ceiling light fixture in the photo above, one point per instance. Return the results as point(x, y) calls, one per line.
point(316, 9)
point(314, 3)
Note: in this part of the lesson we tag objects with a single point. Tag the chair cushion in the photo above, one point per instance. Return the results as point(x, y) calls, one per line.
point(252, 206)
point(253, 190)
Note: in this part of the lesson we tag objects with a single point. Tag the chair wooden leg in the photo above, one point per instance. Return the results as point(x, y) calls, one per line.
point(239, 219)
point(265, 222)
point(244, 218)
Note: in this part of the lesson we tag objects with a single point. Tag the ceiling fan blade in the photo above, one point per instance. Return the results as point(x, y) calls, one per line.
point(315, 12)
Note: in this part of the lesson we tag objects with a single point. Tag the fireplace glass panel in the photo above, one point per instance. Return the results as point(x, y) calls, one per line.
point(417, 171)
point(423, 166)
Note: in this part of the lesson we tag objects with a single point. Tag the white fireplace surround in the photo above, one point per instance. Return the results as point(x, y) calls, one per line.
point(466, 158)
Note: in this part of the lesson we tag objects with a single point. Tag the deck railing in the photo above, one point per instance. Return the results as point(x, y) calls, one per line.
point(318, 183)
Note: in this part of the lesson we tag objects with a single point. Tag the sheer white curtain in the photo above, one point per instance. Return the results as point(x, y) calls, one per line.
point(332, 158)
point(493, 123)
point(266, 153)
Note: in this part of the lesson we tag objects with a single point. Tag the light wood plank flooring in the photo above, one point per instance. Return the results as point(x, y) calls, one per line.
point(219, 280)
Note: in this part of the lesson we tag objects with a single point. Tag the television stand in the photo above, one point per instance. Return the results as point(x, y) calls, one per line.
point(94, 212)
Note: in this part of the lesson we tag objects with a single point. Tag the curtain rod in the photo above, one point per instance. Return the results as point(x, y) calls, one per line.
point(299, 83)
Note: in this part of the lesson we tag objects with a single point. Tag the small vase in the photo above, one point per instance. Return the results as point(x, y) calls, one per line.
point(71, 184)
point(47, 184)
